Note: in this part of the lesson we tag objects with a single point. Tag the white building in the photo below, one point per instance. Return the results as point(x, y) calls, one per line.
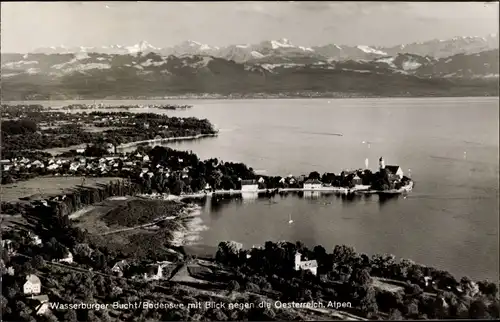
point(68, 259)
point(7, 244)
point(34, 239)
point(155, 274)
point(119, 267)
point(395, 170)
point(74, 166)
point(32, 285)
point(312, 184)
point(392, 169)
point(53, 166)
point(311, 266)
point(249, 186)
point(43, 307)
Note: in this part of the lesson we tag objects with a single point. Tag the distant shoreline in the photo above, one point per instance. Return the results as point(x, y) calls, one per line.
point(271, 97)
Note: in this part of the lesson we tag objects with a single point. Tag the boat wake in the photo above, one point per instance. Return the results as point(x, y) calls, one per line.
point(323, 133)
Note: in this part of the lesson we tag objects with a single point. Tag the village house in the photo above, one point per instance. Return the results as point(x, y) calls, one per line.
point(356, 180)
point(43, 306)
point(34, 239)
point(38, 164)
point(74, 166)
point(395, 170)
point(32, 285)
point(249, 186)
point(67, 259)
point(119, 267)
point(311, 265)
point(312, 184)
point(154, 272)
point(291, 179)
point(53, 166)
point(7, 245)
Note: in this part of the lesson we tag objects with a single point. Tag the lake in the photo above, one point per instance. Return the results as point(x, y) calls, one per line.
point(450, 145)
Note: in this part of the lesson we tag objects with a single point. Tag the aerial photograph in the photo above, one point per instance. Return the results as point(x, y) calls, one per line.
point(249, 161)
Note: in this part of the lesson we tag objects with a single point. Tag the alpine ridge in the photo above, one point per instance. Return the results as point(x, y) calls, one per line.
point(283, 49)
point(101, 75)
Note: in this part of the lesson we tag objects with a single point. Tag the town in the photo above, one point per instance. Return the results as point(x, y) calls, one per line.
point(115, 234)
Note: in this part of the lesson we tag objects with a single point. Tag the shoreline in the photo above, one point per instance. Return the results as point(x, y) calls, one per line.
point(189, 231)
point(201, 98)
point(172, 139)
point(361, 190)
point(58, 151)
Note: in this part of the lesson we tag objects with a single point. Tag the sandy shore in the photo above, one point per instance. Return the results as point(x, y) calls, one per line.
point(172, 139)
point(190, 232)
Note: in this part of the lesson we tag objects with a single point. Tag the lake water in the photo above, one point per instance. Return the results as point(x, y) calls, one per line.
point(451, 145)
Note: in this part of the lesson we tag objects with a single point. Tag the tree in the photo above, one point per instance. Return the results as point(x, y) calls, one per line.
point(478, 310)
point(70, 316)
point(412, 309)
point(488, 288)
point(38, 262)
point(251, 287)
point(14, 127)
point(27, 268)
point(413, 290)
point(314, 175)
point(233, 286)
point(343, 253)
point(361, 277)
point(469, 287)
point(82, 250)
point(395, 314)
point(368, 303)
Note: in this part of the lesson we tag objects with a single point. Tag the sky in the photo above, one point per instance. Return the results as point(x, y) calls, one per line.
point(29, 25)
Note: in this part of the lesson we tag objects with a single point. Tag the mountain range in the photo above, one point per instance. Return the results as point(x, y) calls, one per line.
point(268, 69)
point(93, 75)
point(282, 50)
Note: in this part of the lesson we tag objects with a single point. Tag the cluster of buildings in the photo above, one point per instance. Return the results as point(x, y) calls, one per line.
point(32, 289)
point(394, 172)
point(79, 165)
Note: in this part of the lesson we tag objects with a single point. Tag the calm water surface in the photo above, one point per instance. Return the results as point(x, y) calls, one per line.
point(451, 145)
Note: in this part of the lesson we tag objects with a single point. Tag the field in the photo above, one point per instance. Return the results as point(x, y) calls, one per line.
point(46, 186)
point(131, 225)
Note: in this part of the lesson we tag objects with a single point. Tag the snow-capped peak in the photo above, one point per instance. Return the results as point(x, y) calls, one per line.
point(282, 43)
point(370, 50)
point(140, 47)
point(305, 48)
point(192, 43)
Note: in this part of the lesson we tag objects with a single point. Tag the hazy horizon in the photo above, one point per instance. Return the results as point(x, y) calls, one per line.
point(29, 25)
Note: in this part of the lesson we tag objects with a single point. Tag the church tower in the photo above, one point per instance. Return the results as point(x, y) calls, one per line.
point(381, 163)
point(297, 260)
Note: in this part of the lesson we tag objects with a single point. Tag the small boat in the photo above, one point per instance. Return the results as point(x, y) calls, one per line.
point(290, 221)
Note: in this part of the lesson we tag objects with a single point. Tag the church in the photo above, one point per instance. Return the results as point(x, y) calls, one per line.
point(311, 266)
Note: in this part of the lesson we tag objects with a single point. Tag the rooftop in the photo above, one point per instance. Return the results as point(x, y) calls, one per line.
point(313, 181)
point(309, 264)
point(33, 279)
